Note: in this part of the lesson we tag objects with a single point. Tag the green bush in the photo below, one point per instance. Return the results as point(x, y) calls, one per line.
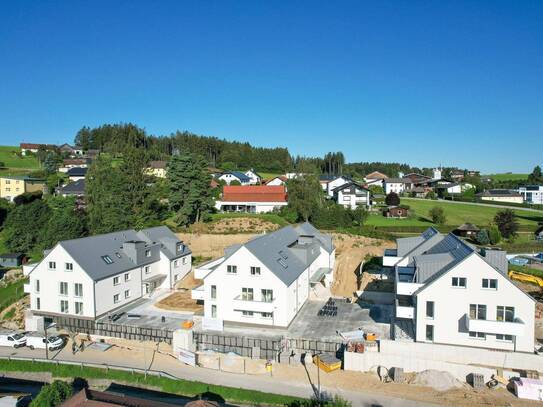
point(482, 237)
point(52, 395)
point(494, 235)
point(437, 214)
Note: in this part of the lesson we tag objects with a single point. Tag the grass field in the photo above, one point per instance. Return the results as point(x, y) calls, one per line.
point(268, 175)
point(506, 177)
point(181, 387)
point(458, 213)
point(8, 155)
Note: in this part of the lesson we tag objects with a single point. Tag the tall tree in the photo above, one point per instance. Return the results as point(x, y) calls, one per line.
point(535, 177)
point(65, 222)
point(189, 195)
point(22, 223)
point(506, 222)
point(305, 194)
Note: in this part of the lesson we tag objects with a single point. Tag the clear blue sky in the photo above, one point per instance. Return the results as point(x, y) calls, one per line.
point(422, 82)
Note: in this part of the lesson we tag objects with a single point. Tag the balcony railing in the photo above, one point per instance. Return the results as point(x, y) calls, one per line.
point(198, 293)
point(254, 305)
point(517, 327)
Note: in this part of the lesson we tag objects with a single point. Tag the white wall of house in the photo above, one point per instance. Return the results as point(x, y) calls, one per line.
point(330, 186)
point(228, 178)
point(510, 199)
point(276, 182)
point(397, 187)
point(452, 304)
point(349, 200)
point(255, 207)
point(49, 296)
point(255, 179)
point(107, 288)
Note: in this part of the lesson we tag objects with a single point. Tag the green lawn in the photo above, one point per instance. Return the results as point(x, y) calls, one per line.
point(458, 213)
point(268, 175)
point(8, 155)
point(380, 220)
point(11, 293)
point(506, 177)
point(181, 387)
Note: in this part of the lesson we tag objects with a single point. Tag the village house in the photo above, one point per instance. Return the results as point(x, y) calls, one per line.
point(68, 163)
point(532, 194)
point(34, 148)
point(397, 185)
point(375, 178)
point(156, 169)
point(500, 195)
point(252, 198)
point(255, 178)
point(235, 176)
point(13, 186)
point(351, 195)
point(433, 271)
point(76, 188)
point(276, 181)
point(267, 280)
point(77, 173)
point(331, 182)
point(84, 279)
point(71, 150)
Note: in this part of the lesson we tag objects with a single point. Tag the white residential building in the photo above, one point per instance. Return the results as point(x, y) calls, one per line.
point(237, 176)
point(331, 182)
point(396, 185)
point(267, 280)
point(449, 292)
point(352, 195)
point(532, 194)
point(255, 178)
point(89, 277)
point(277, 181)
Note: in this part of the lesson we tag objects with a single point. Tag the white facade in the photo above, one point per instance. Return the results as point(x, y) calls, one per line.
point(58, 285)
point(393, 185)
point(453, 295)
point(241, 288)
point(277, 181)
point(254, 177)
point(336, 182)
point(352, 196)
point(230, 177)
point(249, 207)
point(532, 194)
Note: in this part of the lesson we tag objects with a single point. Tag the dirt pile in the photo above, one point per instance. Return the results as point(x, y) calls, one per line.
point(441, 381)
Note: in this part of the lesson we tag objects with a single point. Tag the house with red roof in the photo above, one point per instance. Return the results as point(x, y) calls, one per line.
point(252, 198)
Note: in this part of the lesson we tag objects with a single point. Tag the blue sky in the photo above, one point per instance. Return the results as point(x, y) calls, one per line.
point(422, 82)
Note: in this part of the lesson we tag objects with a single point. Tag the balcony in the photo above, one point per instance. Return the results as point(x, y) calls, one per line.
point(390, 259)
point(253, 305)
point(27, 268)
point(204, 269)
point(405, 309)
point(516, 327)
point(404, 281)
point(198, 293)
point(27, 289)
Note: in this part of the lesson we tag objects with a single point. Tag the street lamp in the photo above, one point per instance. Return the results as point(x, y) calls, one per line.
point(318, 355)
point(52, 325)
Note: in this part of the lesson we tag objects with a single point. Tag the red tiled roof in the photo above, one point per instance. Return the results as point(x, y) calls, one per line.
point(33, 146)
point(254, 193)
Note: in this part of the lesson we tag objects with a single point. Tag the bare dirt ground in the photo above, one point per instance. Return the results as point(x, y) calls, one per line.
point(537, 293)
point(350, 252)
point(181, 299)
point(208, 246)
point(235, 226)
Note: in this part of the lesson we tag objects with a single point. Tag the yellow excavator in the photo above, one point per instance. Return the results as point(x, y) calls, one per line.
point(525, 278)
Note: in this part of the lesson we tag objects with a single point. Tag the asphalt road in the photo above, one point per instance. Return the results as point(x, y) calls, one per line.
point(251, 382)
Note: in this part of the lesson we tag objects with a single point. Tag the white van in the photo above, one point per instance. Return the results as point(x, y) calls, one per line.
point(38, 342)
point(15, 340)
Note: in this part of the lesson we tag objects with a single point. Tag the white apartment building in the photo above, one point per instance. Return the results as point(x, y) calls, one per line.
point(267, 280)
point(90, 277)
point(331, 182)
point(396, 185)
point(532, 194)
point(352, 195)
point(449, 292)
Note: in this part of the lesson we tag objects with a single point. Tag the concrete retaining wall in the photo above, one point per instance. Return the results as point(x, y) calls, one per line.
point(230, 363)
point(376, 297)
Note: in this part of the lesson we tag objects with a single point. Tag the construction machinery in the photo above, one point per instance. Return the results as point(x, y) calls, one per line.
point(525, 278)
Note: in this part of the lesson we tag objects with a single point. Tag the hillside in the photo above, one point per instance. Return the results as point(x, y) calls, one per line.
point(15, 164)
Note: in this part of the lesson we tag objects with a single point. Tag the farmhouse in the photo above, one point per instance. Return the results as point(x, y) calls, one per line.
point(267, 280)
point(252, 198)
point(397, 185)
point(235, 176)
point(434, 271)
point(351, 195)
point(89, 277)
point(33, 147)
point(500, 195)
point(156, 169)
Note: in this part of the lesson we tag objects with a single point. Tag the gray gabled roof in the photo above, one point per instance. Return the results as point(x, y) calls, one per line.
point(74, 188)
point(89, 252)
point(417, 244)
point(287, 252)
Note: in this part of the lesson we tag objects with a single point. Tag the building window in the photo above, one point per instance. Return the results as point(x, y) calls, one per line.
point(267, 295)
point(52, 265)
point(213, 311)
point(147, 269)
point(126, 293)
point(477, 311)
point(213, 292)
point(247, 294)
point(69, 266)
point(459, 282)
point(500, 337)
point(266, 315)
point(126, 276)
point(176, 263)
point(429, 309)
point(63, 288)
point(116, 280)
point(247, 313)
point(107, 259)
point(38, 303)
point(255, 271)
point(78, 290)
point(231, 269)
point(37, 286)
point(184, 260)
point(147, 253)
point(430, 333)
point(506, 314)
point(491, 283)
point(79, 308)
point(477, 335)
point(115, 298)
point(64, 306)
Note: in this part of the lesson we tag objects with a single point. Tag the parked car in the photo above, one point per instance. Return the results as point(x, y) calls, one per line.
point(38, 342)
point(15, 340)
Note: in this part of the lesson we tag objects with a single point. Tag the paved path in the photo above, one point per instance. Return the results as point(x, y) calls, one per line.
point(251, 382)
point(478, 204)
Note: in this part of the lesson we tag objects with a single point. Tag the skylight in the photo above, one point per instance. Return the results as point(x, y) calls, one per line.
point(282, 263)
point(107, 259)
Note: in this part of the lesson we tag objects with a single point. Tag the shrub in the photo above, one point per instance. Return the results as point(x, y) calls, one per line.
point(437, 214)
point(52, 394)
point(482, 237)
point(392, 199)
point(289, 214)
point(507, 224)
point(431, 195)
point(494, 235)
